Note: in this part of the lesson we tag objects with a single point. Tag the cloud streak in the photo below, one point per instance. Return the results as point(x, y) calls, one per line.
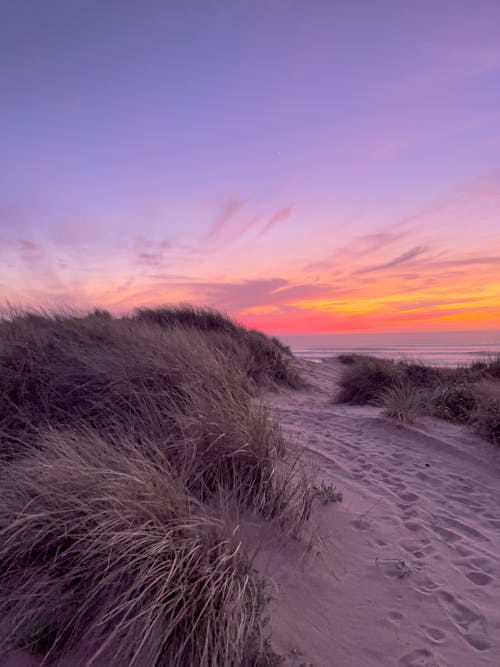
point(280, 216)
point(404, 258)
point(224, 218)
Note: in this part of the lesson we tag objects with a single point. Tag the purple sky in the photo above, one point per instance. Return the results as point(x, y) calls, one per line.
point(306, 166)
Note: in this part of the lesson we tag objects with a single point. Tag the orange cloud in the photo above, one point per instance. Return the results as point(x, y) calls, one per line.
point(409, 275)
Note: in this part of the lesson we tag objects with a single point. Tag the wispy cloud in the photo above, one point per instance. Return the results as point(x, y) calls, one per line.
point(404, 258)
point(464, 261)
point(225, 217)
point(150, 258)
point(29, 247)
point(152, 252)
point(236, 218)
point(281, 215)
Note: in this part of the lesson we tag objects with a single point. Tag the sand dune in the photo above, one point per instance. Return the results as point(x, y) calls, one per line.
point(408, 569)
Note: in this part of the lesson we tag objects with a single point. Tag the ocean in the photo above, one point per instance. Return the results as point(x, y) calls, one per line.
point(442, 355)
point(457, 349)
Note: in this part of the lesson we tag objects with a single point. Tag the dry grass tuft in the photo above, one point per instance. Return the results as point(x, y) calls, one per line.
point(486, 413)
point(109, 555)
point(452, 401)
point(402, 402)
point(465, 395)
point(366, 378)
point(264, 359)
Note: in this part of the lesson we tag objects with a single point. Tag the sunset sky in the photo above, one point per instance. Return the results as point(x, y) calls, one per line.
point(306, 166)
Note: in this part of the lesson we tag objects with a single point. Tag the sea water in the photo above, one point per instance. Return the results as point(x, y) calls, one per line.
point(460, 350)
point(430, 355)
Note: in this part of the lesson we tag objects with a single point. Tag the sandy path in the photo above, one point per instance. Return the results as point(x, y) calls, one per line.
point(409, 572)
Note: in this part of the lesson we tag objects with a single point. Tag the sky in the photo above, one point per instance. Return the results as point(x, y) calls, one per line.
point(305, 166)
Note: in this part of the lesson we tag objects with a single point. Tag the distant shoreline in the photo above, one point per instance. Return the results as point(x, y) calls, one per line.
point(428, 354)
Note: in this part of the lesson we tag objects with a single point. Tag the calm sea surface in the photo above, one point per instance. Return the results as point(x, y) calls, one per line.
point(431, 354)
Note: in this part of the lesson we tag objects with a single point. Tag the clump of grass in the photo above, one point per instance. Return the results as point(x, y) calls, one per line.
point(185, 315)
point(366, 378)
point(110, 555)
point(486, 414)
point(420, 375)
point(267, 359)
point(327, 493)
point(452, 401)
point(350, 358)
point(493, 368)
point(401, 402)
point(464, 395)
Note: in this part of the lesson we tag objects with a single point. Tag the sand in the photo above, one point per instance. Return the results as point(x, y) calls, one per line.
point(406, 571)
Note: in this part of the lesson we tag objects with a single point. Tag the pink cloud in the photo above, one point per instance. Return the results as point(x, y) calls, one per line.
point(404, 258)
point(281, 215)
point(225, 217)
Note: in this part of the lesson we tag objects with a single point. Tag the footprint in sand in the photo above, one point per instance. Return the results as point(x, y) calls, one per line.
point(409, 497)
point(404, 506)
point(420, 657)
point(478, 563)
point(413, 526)
point(465, 619)
point(456, 478)
point(395, 616)
point(436, 635)
point(478, 642)
point(463, 551)
point(429, 549)
point(479, 578)
point(426, 585)
point(447, 535)
point(461, 527)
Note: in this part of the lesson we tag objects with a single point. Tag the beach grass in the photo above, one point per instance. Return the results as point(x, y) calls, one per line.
point(463, 394)
point(131, 449)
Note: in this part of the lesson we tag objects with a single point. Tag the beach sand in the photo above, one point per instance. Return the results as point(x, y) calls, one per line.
point(405, 572)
